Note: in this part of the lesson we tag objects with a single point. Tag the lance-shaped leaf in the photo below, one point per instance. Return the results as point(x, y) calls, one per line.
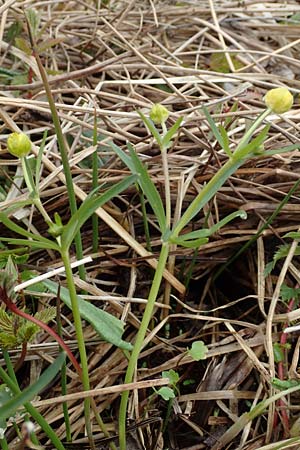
point(144, 181)
point(199, 237)
point(213, 127)
point(148, 188)
point(171, 132)
point(30, 243)
point(87, 209)
point(109, 327)
point(253, 145)
point(152, 128)
point(32, 238)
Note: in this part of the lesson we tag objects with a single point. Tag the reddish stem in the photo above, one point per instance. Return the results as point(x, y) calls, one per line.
point(13, 308)
point(21, 359)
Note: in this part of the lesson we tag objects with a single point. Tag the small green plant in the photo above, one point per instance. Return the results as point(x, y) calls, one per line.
point(277, 101)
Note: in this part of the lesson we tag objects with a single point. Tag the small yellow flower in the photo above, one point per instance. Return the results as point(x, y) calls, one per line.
point(159, 114)
point(279, 100)
point(18, 144)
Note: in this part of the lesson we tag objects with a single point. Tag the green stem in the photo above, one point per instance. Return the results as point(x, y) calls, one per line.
point(145, 221)
point(140, 339)
point(95, 220)
point(4, 444)
point(164, 155)
point(80, 340)
point(63, 377)
point(63, 150)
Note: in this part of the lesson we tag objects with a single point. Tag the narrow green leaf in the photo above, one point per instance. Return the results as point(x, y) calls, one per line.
point(278, 352)
point(226, 142)
point(194, 243)
point(123, 156)
point(207, 192)
point(253, 145)
point(144, 180)
point(148, 188)
point(17, 206)
point(206, 232)
point(170, 133)
point(88, 207)
point(30, 243)
point(109, 327)
point(278, 151)
point(152, 128)
point(19, 230)
point(213, 127)
point(29, 177)
point(28, 394)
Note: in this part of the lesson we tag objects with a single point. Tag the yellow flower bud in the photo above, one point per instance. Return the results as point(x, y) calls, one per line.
point(279, 100)
point(19, 144)
point(159, 114)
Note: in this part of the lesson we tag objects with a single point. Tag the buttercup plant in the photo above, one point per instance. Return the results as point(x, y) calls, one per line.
point(278, 101)
point(19, 145)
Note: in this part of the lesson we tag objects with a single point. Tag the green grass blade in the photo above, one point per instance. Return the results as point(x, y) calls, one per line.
point(278, 151)
point(88, 207)
point(28, 394)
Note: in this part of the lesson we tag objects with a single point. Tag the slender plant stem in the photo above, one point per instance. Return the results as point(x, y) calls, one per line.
point(4, 445)
point(139, 341)
point(63, 375)
point(80, 340)
point(62, 147)
point(145, 221)
point(164, 155)
point(95, 220)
